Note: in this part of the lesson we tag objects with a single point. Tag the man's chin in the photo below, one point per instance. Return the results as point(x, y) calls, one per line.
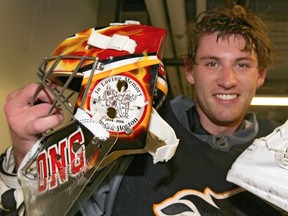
point(228, 119)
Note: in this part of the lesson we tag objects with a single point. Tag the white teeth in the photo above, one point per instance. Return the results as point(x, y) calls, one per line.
point(226, 96)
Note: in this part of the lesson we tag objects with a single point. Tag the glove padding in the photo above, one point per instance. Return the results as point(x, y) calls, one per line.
point(262, 168)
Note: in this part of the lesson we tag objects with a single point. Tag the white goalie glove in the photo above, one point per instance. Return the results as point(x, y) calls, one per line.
point(262, 168)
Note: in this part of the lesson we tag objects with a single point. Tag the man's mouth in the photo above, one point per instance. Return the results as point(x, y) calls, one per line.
point(226, 96)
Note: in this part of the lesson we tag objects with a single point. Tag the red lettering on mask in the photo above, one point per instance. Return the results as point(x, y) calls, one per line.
point(61, 161)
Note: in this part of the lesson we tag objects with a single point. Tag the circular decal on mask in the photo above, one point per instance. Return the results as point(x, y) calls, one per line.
point(122, 100)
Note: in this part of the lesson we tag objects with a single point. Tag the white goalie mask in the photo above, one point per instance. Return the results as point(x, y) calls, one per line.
point(118, 78)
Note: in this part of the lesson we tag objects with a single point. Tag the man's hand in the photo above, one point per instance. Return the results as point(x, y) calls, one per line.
point(27, 120)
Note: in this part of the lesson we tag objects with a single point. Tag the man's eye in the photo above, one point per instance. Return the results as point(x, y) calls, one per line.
point(243, 65)
point(211, 64)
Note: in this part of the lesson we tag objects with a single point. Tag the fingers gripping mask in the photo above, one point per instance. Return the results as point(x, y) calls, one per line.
point(109, 81)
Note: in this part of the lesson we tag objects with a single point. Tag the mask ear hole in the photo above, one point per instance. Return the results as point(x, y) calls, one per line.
point(111, 112)
point(77, 148)
point(58, 157)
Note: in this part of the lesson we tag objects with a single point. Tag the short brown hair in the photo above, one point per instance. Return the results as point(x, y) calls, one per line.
point(234, 21)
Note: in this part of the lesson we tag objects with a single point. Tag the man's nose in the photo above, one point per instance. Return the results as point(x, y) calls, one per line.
point(227, 77)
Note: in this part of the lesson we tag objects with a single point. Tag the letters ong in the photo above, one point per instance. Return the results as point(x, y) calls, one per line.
point(60, 161)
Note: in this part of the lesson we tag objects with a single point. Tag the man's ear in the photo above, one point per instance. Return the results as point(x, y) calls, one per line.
point(261, 77)
point(188, 68)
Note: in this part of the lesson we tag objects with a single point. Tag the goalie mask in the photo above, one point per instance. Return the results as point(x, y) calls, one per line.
point(109, 81)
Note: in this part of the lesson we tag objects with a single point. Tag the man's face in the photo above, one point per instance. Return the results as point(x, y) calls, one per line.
point(225, 80)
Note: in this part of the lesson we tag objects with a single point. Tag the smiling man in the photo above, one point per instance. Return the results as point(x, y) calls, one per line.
point(227, 61)
point(225, 78)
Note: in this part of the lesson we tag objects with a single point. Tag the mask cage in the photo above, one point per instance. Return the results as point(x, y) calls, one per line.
point(64, 86)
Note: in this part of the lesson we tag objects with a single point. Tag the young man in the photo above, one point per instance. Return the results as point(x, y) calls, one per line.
point(227, 61)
